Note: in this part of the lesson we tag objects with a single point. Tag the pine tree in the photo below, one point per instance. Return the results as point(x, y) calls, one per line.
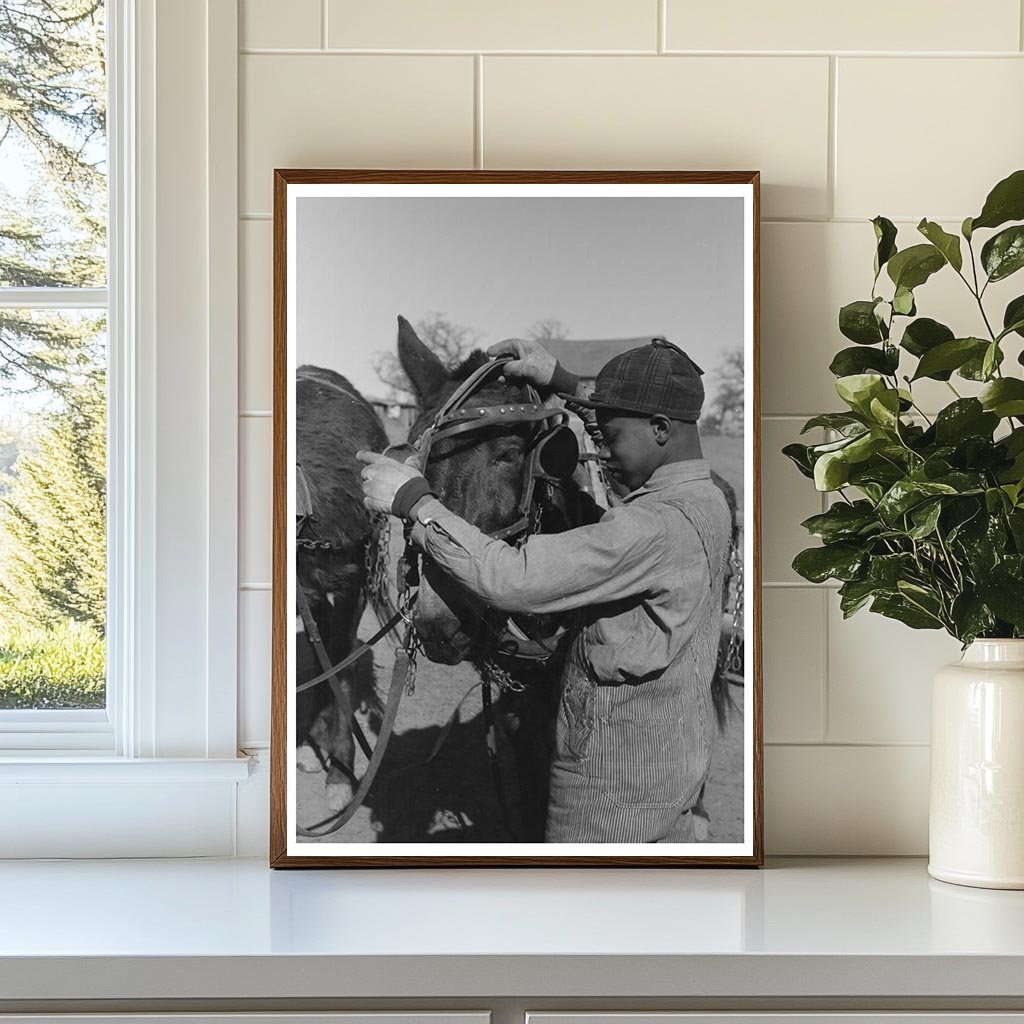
point(52, 124)
point(53, 519)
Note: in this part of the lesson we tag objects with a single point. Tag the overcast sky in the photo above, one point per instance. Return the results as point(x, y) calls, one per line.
point(605, 267)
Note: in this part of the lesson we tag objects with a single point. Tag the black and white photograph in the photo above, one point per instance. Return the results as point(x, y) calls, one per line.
point(515, 486)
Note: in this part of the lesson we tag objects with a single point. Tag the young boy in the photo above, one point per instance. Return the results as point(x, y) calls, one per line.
point(635, 719)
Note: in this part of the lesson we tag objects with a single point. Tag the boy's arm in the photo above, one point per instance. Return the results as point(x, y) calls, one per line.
point(616, 558)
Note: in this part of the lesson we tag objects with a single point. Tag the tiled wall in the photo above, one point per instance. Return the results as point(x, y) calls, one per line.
point(906, 109)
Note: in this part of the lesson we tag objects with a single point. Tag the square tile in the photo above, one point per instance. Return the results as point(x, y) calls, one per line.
point(846, 801)
point(793, 639)
point(270, 24)
point(787, 499)
point(470, 25)
point(351, 111)
point(255, 316)
point(654, 112)
point(803, 25)
point(254, 619)
point(255, 507)
point(954, 104)
point(880, 676)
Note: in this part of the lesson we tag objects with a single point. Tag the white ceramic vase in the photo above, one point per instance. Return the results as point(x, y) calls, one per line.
point(976, 815)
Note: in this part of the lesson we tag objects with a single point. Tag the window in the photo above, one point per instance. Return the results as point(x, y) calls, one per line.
point(53, 370)
point(152, 768)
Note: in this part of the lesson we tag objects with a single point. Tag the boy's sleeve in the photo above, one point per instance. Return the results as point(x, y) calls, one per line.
point(615, 558)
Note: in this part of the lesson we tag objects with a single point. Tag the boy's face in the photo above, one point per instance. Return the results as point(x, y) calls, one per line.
point(630, 452)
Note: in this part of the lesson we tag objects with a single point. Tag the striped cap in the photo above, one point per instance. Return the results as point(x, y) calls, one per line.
point(655, 378)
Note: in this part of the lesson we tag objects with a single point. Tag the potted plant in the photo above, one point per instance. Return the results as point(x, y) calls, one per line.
point(927, 521)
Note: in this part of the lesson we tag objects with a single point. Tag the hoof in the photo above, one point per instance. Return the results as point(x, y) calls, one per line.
point(339, 794)
point(306, 760)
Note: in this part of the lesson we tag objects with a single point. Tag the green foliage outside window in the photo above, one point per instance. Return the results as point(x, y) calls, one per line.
point(52, 365)
point(927, 525)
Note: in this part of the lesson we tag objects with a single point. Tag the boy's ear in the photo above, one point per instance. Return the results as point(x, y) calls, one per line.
point(662, 428)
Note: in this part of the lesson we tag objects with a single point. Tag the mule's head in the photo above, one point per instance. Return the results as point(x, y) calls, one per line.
point(479, 475)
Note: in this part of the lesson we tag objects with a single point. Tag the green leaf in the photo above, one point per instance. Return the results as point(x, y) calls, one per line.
point(843, 521)
point(947, 244)
point(831, 471)
point(1004, 397)
point(899, 608)
point(854, 594)
point(925, 518)
point(840, 561)
point(885, 237)
point(974, 368)
point(885, 409)
point(970, 617)
point(912, 267)
point(948, 356)
point(991, 360)
point(885, 571)
point(858, 389)
point(966, 417)
point(906, 494)
point(924, 334)
point(849, 361)
point(903, 302)
point(965, 229)
point(1003, 254)
point(799, 455)
point(1003, 596)
point(1005, 202)
point(840, 421)
point(1013, 317)
point(857, 321)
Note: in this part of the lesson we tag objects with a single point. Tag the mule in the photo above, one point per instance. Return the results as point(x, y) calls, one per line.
point(480, 479)
point(332, 422)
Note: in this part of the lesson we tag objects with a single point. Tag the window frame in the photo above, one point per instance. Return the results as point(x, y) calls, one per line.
point(168, 763)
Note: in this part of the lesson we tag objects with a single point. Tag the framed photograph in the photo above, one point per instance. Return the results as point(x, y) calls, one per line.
point(516, 558)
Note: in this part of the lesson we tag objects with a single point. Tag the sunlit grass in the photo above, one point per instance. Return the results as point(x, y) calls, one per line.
point(60, 667)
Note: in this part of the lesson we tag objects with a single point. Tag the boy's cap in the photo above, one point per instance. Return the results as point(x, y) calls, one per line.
point(655, 378)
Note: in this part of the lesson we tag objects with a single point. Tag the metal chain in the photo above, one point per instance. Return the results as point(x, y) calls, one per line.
point(733, 661)
point(411, 640)
point(501, 677)
point(377, 560)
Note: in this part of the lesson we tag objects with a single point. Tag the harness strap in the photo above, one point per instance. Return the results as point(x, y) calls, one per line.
point(354, 656)
point(334, 822)
point(340, 696)
point(492, 755)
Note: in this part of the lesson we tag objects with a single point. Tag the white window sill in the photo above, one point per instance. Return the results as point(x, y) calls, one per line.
point(80, 767)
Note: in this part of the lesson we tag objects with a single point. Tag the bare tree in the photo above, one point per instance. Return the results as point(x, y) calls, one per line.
point(449, 341)
point(725, 413)
point(549, 328)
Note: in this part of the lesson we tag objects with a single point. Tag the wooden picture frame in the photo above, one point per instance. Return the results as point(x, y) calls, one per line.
point(342, 239)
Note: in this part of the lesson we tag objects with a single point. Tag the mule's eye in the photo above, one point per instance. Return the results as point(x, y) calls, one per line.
point(507, 456)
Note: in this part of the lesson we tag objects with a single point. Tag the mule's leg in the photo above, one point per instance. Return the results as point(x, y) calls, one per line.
point(309, 705)
point(344, 616)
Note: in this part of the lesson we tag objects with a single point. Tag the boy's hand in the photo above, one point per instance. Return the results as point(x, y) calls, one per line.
point(532, 362)
point(390, 486)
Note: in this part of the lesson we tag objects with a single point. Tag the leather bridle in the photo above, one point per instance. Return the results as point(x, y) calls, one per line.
point(552, 452)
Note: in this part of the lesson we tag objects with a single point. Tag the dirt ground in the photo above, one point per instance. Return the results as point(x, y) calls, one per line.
point(453, 798)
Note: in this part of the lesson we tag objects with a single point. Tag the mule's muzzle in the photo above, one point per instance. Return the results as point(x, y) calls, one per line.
point(440, 629)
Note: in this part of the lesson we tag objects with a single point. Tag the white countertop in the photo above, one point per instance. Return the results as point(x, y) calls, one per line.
point(234, 929)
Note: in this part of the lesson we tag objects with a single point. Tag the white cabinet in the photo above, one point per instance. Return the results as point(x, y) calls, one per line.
point(785, 1017)
point(361, 1017)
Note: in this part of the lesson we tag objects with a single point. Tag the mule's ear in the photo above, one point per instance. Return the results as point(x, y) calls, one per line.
point(422, 367)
